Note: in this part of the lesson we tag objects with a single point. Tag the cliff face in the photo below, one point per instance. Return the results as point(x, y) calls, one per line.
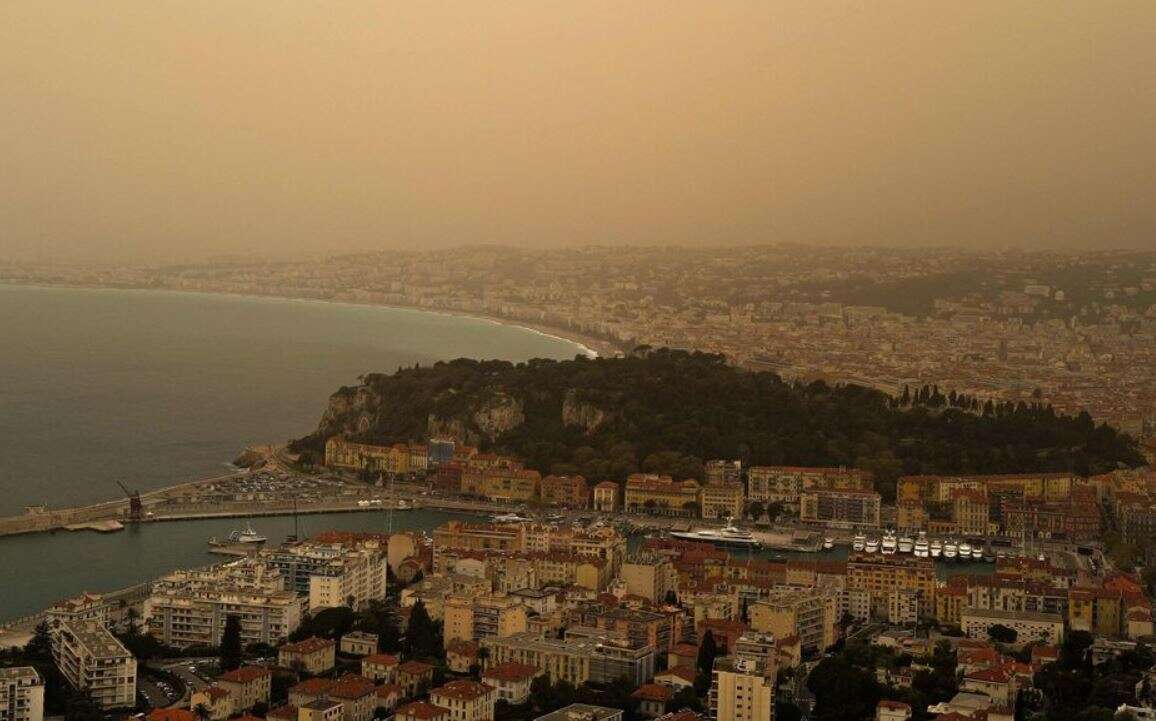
point(582, 413)
point(350, 412)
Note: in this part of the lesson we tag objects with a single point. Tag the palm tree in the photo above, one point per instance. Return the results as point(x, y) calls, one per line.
point(202, 712)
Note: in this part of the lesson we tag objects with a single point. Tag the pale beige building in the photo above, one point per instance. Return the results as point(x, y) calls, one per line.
point(472, 618)
point(466, 700)
point(742, 689)
point(315, 655)
point(89, 657)
point(810, 614)
point(21, 694)
point(651, 577)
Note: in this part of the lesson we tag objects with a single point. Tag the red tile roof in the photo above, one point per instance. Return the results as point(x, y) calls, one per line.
point(380, 659)
point(415, 668)
point(511, 671)
point(312, 687)
point(309, 645)
point(422, 710)
point(171, 714)
point(653, 692)
point(461, 690)
point(245, 674)
point(288, 712)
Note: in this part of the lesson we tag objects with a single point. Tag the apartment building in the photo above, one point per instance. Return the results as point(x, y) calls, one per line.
point(329, 573)
point(21, 694)
point(380, 667)
point(844, 509)
point(874, 577)
point(565, 491)
point(606, 497)
point(314, 655)
point(662, 631)
point(650, 576)
point(466, 700)
point(502, 484)
point(480, 536)
point(661, 495)
point(723, 499)
point(511, 681)
point(970, 512)
point(473, 618)
point(784, 484)
point(811, 614)
point(247, 686)
point(576, 660)
point(742, 689)
point(89, 657)
point(85, 607)
point(1029, 626)
point(191, 607)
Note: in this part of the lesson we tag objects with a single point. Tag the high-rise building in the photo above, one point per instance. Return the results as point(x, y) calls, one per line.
point(742, 689)
point(89, 657)
point(848, 509)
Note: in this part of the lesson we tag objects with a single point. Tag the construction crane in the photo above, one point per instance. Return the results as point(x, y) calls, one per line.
point(135, 508)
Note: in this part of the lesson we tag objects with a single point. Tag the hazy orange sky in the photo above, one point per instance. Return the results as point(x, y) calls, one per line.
point(157, 129)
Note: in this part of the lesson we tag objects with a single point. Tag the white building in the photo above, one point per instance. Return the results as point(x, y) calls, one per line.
point(21, 694)
point(742, 689)
point(191, 607)
point(89, 657)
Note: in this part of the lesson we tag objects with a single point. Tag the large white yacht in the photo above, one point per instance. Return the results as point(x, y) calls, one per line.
point(859, 542)
point(728, 535)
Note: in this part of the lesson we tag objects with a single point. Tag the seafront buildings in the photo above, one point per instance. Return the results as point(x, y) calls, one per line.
point(188, 608)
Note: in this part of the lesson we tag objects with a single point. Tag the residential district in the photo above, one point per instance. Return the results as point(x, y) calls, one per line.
point(556, 614)
point(1077, 330)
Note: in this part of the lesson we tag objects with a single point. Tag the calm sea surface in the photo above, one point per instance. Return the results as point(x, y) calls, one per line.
point(155, 388)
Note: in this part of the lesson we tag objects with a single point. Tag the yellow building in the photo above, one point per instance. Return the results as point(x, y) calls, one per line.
point(314, 655)
point(661, 495)
point(877, 576)
point(502, 484)
point(466, 700)
point(722, 500)
point(742, 689)
point(472, 618)
point(970, 512)
point(651, 577)
point(812, 615)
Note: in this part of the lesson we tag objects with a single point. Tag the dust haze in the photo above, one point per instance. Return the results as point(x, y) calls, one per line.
point(162, 130)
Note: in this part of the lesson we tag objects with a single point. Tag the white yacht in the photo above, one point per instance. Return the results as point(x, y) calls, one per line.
point(921, 549)
point(248, 535)
point(936, 548)
point(872, 545)
point(511, 518)
point(828, 543)
point(977, 552)
point(859, 542)
point(728, 535)
point(950, 550)
point(888, 545)
point(906, 544)
point(965, 551)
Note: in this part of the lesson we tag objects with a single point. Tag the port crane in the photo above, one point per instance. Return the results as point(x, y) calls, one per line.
point(135, 507)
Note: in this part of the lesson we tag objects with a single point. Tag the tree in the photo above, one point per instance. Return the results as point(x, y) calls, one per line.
point(755, 510)
point(1002, 634)
point(39, 647)
point(707, 650)
point(82, 707)
point(260, 709)
point(202, 712)
point(843, 692)
point(423, 637)
point(671, 598)
point(685, 698)
point(230, 653)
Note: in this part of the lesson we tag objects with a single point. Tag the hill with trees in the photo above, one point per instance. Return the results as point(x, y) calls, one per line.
point(666, 411)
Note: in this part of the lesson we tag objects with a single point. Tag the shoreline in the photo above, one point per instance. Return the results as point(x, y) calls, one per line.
point(588, 345)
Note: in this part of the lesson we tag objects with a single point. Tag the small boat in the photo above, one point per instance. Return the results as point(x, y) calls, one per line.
point(248, 535)
point(921, 549)
point(906, 544)
point(950, 550)
point(977, 552)
point(511, 518)
point(859, 542)
point(888, 545)
point(936, 548)
point(1042, 557)
point(965, 551)
point(828, 543)
point(872, 545)
point(989, 555)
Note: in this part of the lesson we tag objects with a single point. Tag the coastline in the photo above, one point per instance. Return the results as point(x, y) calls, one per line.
point(591, 346)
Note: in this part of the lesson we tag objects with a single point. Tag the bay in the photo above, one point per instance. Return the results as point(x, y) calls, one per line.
point(154, 388)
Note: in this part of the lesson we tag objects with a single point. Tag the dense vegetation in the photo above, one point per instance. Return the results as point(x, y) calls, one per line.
point(667, 411)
